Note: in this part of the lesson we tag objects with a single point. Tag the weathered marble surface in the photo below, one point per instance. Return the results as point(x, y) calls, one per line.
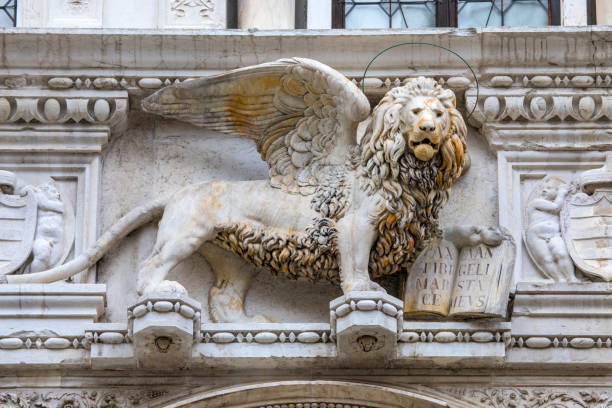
point(542, 233)
point(338, 206)
point(557, 349)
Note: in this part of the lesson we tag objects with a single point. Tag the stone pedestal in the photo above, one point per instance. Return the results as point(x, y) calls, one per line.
point(163, 328)
point(366, 326)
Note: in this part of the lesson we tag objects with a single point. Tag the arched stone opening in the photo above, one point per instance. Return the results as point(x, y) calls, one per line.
point(313, 394)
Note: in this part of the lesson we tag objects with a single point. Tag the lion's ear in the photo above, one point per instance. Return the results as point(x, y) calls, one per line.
point(447, 97)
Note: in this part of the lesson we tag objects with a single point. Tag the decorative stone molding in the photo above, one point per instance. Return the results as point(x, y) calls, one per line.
point(526, 118)
point(534, 397)
point(540, 342)
point(266, 333)
point(544, 80)
point(481, 342)
point(107, 333)
point(51, 307)
point(191, 13)
point(107, 109)
point(73, 398)
point(41, 342)
point(427, 332)
point(110, 14)
point(163, 328)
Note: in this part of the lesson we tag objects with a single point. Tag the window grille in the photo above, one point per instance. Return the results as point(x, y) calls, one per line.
point(443, 13)
point(8, 13)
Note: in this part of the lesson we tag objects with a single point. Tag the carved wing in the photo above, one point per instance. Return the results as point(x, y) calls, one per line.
point(301, 113)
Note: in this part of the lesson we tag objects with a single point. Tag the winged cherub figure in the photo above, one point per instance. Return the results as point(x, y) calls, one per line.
point(334, 207)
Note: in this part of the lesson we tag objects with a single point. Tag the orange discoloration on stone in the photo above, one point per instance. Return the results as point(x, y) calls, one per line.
point(234, 304)
point(391, 219)
point(602, 211)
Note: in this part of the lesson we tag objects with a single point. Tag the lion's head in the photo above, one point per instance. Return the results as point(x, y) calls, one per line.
point(419, 118)
point(412, 151)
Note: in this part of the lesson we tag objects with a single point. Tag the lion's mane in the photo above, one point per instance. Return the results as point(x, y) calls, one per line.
point(411, 191)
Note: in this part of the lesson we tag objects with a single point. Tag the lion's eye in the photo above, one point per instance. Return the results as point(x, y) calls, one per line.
point(439, 114)
point(416, 111)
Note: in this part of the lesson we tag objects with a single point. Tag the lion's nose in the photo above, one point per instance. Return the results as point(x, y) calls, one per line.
point(427, 126)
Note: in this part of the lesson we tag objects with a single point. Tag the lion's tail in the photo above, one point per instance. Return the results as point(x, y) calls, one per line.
point(128, 223)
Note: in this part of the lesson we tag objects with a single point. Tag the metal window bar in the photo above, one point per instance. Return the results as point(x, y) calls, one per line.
point(9, 8)
point(502, 10)
point(446, 11)
point(387, 6)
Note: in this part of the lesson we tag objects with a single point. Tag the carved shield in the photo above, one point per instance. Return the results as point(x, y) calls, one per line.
point(17, 228)
point(587, 231)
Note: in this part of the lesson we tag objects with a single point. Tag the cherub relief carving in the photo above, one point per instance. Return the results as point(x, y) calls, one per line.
point(49, 228)
point(542, 232)
point(37, 225)
point(334, 208)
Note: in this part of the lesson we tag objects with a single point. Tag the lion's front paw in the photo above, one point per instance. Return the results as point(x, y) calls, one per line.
point(165, 287)
point(364, 285)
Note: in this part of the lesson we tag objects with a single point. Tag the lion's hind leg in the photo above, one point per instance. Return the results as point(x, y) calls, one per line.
point(169, 252)
point(233, 280)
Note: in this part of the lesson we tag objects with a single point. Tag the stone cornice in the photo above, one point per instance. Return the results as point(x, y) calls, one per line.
point(506, 61)
point(195, 52)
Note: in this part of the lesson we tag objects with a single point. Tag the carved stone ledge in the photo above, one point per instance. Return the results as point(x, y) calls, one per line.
point(544, 119)
point(365, 326)
point(263, 345)
point(50, 306)
point(479, 342)
point(563, 310)
point(44, 324)
point(266, 333)
point(163, 329)
point(557, 323)
point(110, 346)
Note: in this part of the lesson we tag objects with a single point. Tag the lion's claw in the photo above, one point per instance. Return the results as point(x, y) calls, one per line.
point(365, 286)
point(165, 287)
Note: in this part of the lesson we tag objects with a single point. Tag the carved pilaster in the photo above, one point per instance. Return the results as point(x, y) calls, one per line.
point(50, 141)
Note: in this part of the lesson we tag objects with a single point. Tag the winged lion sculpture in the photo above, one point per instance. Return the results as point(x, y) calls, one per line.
point(341, 205)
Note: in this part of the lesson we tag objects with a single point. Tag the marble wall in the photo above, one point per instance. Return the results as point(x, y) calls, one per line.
point(70, 110)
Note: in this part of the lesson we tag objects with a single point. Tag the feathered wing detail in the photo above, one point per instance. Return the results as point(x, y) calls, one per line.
point(302, 114)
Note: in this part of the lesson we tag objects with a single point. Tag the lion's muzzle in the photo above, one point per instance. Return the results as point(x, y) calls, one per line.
point(424, 140)
point(424, 144)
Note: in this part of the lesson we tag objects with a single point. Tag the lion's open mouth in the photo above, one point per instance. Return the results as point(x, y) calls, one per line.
point(423, 149)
